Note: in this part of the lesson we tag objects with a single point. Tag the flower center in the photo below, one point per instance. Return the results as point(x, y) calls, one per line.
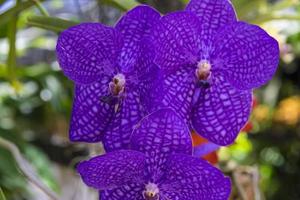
point(203, 70)
point(151, 192)
point(203, 73)
point(117, 85)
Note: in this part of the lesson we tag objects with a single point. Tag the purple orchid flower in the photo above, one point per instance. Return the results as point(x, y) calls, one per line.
point(211, 62)
point(113, 74)
point(159, 165)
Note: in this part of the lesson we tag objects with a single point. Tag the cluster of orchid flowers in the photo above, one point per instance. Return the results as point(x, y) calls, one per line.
point(143, 85)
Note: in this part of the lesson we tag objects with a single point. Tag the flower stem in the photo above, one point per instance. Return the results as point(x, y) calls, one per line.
point(11, 57)
point(266, 18)
point(41, 8)
point(7, 15)
point(50, 23)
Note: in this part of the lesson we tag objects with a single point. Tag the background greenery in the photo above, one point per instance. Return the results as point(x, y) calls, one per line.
point(35, 98)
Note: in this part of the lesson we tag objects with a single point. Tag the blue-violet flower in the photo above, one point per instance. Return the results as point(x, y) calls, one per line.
point(113, 75)
point(159, 166)
point(211, 62)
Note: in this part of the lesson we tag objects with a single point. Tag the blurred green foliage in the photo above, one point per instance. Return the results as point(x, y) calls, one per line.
point(123, 5)
point(2, 196)
point(35, 97)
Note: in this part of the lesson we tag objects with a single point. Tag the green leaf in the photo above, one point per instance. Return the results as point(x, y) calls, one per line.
point(50, 23)
point(123, 5)
point(41, 163)
point(11, 181)
point(2, 197)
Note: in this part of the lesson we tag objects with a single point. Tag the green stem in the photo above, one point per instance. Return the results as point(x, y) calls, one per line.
point(6, 16)
point(11, 58)
point(247, 7)
point(45, 26)
point(41, 8)
point(266, 18)
point(50, 23)
point(121, 4)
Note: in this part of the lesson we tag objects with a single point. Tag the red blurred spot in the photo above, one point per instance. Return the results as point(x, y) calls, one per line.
point(248, 127)
point(254, 101)
point(212, 157)
point(198, 141)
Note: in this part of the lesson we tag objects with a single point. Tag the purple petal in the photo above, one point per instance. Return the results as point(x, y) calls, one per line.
point(212, 14)
point(150, 81)
point(248, 55)
point(129, 113)
point(142, 95)
point(87, 51)
point(189, 178)
point(179, 89)
point(158, 135)
point(151, 89)
point(204, 149)
point(128, 192)
point(221, 111)
point(134, 26)
point(176, 39)
point(90, 115)
point(113, 170)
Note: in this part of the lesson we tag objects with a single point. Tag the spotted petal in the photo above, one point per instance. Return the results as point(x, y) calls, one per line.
point(132, 191)
point(247, 54)
point(151, 89)
point(134, 26)
point(87, 51)
point(176, 40)
point(204, 149)
point(90, 115)
point(150, 79)
point(158, 135)
point(212, 14)
point(221, 111)
point(189, 178)
point(179, 89)
point(113, 170)
point(127, 115)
